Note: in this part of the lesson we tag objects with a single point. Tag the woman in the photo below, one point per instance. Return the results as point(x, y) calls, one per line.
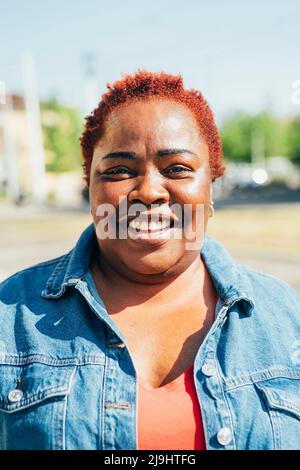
point(148, 335)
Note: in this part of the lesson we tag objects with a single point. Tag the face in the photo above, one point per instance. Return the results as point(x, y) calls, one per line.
point(151, 153)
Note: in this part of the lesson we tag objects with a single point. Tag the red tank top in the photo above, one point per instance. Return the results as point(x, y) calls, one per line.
point(169, 417)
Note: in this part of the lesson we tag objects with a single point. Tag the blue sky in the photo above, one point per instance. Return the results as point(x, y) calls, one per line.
point(241, 55)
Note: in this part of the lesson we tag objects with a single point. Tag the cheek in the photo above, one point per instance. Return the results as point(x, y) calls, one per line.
point(192, 191)
point(108, 197)
point(106, 194)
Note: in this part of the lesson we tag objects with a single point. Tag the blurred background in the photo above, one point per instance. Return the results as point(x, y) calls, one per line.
point(56, 58)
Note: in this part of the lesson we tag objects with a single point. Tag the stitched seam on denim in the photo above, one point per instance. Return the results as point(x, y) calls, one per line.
point(100, 412)
point(20, 360)
point(261, 377)
point(28, 404)
point(59, 423)
point(41, 395)
point(79, 274)
point(226, 401)
point(272, 415)
point(36, 397)
point(58, 267)
point(104, 394)
point(275, 429)
point(61, 264)
point(287, 406)
point(56, 429)
point(64, 414)
point(282, 404)
point(71, 379)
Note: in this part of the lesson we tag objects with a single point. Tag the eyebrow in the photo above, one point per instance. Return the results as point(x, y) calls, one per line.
point(159, 153)
point(166, 152)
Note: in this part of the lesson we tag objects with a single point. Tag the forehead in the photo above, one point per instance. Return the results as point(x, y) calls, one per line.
point(158, 120)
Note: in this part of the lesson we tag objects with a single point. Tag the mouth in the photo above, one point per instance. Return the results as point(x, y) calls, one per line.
point(150, 229)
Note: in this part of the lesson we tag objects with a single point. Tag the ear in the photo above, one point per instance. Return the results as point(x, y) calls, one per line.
point(85, 180)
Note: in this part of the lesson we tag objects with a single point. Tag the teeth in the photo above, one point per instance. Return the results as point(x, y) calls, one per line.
point(153, 226)
point(134, 224)
point(144, 226)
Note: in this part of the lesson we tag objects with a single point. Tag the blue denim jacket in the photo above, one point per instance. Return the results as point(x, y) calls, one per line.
point(67, 380)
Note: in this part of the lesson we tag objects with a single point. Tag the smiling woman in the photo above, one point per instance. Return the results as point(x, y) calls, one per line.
point(144, 340)
point(155, 172)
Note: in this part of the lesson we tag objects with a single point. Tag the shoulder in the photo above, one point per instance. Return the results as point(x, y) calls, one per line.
point(28, 282)
point(272, 283)
point(47, 280)
point(22, 304)
point(270, 291)
point(232, 275)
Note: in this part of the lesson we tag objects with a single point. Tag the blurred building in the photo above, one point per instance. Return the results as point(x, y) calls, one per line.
point(277, 169)
point(276, 181)
point(16, 176)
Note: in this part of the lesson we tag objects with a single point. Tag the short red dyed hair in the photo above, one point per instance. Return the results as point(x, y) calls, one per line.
point(143, 85)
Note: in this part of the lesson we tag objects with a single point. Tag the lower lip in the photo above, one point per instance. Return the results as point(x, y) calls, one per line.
point(151, 237)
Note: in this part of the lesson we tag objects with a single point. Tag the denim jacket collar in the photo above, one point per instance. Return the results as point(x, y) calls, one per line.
point(228, 276)
point(73, 266)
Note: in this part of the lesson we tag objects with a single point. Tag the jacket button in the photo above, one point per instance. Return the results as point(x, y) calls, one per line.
point(224, 436)
point(15, 395)
point(208, 370)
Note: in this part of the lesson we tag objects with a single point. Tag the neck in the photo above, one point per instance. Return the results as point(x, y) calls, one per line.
point(195, 276)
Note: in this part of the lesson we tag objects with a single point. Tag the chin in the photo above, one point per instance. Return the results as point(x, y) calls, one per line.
point(153, 263)
point(152, 268)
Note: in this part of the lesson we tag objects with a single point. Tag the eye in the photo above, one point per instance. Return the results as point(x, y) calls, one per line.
point(120, 172)
point(177, 170)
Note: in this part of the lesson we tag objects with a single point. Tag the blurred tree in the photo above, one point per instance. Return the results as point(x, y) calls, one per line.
point(235, 133)
point(293, 140)
point(238, 130)
point(61, 130)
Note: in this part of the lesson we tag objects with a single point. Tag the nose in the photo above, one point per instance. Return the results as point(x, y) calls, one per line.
point(149, 190)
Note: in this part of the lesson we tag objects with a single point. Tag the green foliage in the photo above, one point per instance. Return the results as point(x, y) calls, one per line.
point(62, 127)
point(235, 134)
point(293, 140)
point(61, 131)
point(240, 130)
